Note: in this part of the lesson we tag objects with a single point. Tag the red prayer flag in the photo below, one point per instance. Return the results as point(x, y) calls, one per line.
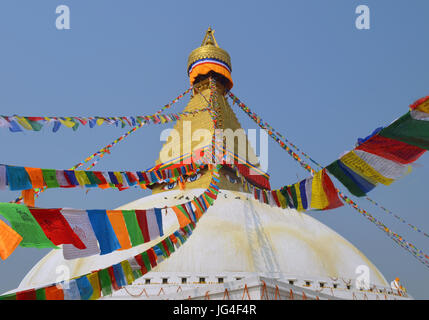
point(139, 260)
point(276, 199)
point(142, 221)
point(112, 278)
point(152, 257)
point(164, 244)
point(56, 227)
point(391, 149)
point(26, 295)
point(330, 191)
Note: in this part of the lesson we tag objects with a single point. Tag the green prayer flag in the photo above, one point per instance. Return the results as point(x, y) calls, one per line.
point(34, 124)
point(40, 294)
point(50, 177)
point(408, 130)
point(11, 296)
point(209, 200)
point(294, 196)
point(133, 228)
point(105, 282)
point(137, 274)
point(146, 261)
point(348, 182)
point(92, 177)
point(170, 245)
point(25, 225)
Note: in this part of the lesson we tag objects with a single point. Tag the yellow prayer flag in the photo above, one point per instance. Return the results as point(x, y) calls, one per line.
point(82, 178)
point(319, 200)
point(128, 271)
point(23, 122)
point(95, 283)
point(118, 176)
point(282, 199)
point(354, 162)
point(67, 122)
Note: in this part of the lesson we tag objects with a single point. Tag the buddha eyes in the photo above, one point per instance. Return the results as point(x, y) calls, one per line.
point(193, 177)
point(170, 185)
point(231, 179)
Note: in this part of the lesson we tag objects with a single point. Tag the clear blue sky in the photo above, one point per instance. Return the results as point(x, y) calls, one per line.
point(302, 65)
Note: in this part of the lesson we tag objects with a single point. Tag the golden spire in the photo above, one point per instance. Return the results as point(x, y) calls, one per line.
point(209, 49)
point(209, 57)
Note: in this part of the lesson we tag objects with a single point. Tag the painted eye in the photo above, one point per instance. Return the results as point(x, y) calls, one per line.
point(231, 179)
point(193, 177)
point(170, 185)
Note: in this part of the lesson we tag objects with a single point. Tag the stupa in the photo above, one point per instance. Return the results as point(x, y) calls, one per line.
point(241, 248)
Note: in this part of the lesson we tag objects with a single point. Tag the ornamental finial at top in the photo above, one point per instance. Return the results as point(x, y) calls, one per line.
point(209, 38)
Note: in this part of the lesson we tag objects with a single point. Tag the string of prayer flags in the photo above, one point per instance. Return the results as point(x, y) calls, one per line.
point(25, 178)
point(87, 232)
point(400, 144)
point(397, 217)
point(103, 282)
point(18, 123)
point(417, 253)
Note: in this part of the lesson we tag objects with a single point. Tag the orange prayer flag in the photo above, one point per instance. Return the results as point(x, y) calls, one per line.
point(36, 177)
point(183, 220)
point(118, 223)
point(28, 196)
point(9, 240)
point(54, 293)
point(181, 185)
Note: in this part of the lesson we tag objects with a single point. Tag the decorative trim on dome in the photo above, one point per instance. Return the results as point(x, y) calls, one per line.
point(208, 60)
point(209, 52)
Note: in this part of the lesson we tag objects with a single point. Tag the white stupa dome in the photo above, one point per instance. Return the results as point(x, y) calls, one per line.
point(236, 234)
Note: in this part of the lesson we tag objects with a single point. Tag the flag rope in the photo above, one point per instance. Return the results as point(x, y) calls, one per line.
point(419, 254)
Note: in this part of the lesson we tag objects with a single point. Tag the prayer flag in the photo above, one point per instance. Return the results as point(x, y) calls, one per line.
point(18, 178)
point(118, 223)
point(85, 288)
point(50, 178)
point(56, 227)
point(392, 149)
point(133, 228)
point(408, 130)
point(9, 240)
point(95, 284)
point(25, 225)
point(81, 225)
point(103, 231)
point(142, 221)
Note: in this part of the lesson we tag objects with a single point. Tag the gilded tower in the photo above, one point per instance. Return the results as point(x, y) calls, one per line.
point(191, 133)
